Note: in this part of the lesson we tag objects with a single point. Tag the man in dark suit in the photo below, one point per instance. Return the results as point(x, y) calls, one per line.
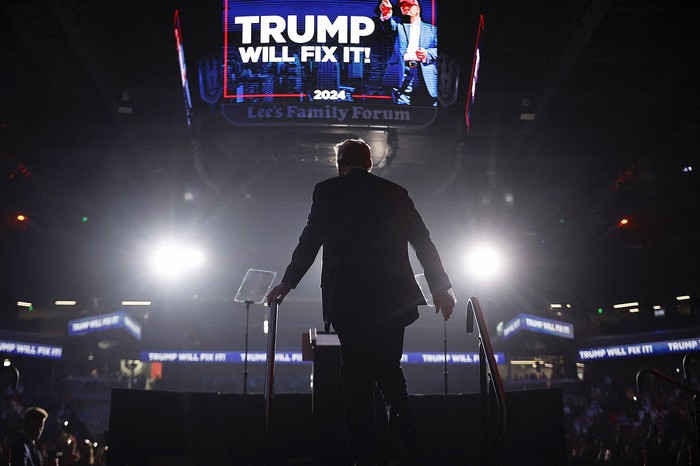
point(365, 224)
point(412, 68)
point(24, 449)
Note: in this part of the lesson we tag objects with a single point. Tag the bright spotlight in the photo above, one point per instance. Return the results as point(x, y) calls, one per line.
point(172, 259)
point(484, 262)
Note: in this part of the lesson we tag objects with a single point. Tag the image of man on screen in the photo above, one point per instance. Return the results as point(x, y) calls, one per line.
point(412, 68)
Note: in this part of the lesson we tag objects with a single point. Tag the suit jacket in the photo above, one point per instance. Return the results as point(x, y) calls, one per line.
point(24, 453)
point(365, 224)
point(400, 32)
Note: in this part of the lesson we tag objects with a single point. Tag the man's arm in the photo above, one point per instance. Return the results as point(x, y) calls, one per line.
point(428, 256)
point(304, 254)
point(427, 51)
point(386, 18)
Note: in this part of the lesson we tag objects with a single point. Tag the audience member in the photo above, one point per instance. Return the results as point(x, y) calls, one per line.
point(24, 451)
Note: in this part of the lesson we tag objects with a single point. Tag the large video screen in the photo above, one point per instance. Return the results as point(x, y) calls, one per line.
point(350, 63)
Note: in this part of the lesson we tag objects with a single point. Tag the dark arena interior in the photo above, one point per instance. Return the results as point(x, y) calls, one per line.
point(158, 166)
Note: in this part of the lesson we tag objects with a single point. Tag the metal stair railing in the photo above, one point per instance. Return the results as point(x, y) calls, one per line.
point(493, 396)
point(270, 379)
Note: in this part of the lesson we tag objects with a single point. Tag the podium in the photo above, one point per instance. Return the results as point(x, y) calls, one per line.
point(329, 444)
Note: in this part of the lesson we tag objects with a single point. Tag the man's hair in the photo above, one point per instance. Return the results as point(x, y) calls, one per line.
point(353, 153)
point(35, 413)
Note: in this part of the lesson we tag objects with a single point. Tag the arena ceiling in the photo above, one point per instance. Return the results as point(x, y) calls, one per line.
point(586, 112)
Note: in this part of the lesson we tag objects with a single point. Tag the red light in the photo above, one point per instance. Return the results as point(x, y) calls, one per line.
point(624, 222)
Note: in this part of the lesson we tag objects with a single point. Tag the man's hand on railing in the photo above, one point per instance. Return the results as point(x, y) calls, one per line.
point(278, 293)
point(444, 302)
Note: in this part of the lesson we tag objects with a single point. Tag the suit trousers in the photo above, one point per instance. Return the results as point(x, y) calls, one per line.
point(371, 357)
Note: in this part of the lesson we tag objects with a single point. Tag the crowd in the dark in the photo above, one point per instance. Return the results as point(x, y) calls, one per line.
point(608, 421)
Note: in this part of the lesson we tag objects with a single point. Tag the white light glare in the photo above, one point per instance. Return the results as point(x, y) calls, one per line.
point(683, 298)
point(484, 262)
point(624, 305)
point(687, 169)
point(6, 363)
point(65, 303)
point(136, 303)
point(24, 304)
point(171, 259)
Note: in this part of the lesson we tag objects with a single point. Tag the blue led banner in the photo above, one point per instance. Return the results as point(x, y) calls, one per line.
point(219, 356)
point(538, 324)
point(452, 358)
point(30, 349)
point(640, 349)
point(254, 357)
point(104, 322)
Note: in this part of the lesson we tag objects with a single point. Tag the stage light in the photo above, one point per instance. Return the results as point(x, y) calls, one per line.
point(172, 259)
point(28, 305)
point(624, 305)
point(623, 222)
point(64, 303)
point(484, 262)
point(21, 218)
point(600, 310)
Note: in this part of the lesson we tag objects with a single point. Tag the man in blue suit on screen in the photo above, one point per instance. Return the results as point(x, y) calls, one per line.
point(412, 68)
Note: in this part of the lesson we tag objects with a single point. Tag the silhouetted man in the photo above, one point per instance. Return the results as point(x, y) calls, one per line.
point(24, 449)
point(369, 293)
